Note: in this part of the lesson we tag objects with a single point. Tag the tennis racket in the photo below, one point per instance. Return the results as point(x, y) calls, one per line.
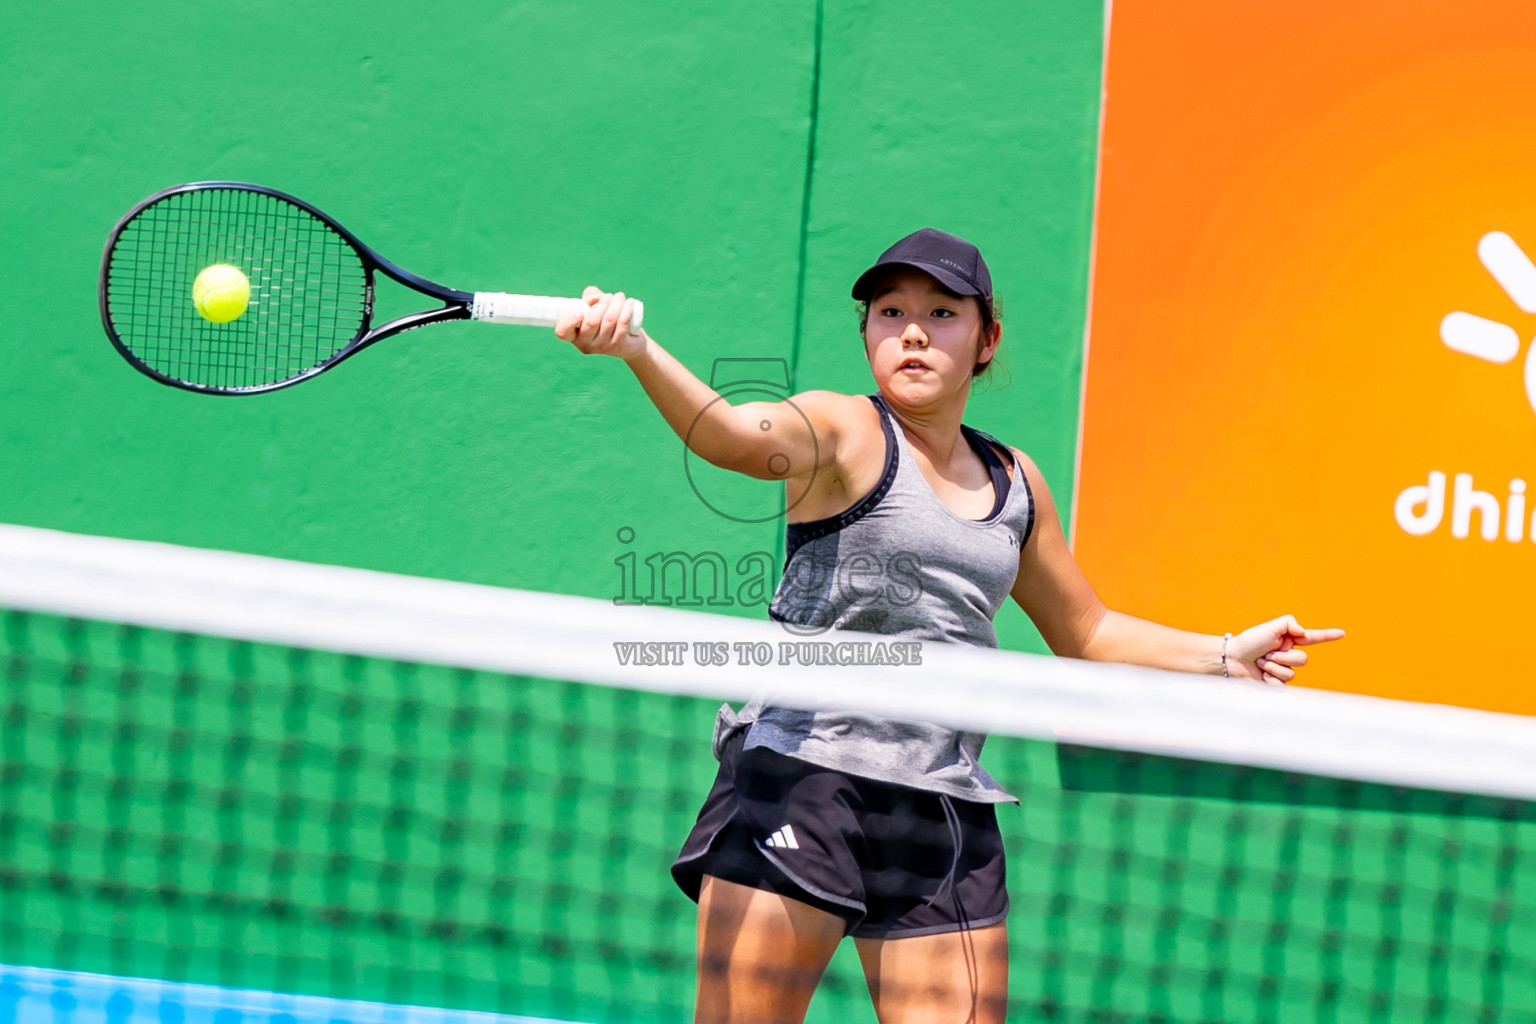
point(310, 299)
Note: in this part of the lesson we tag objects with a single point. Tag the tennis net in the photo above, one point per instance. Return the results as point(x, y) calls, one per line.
point(236, 785)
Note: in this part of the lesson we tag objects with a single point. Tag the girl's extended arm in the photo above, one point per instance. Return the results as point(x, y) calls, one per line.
point(1052, 589)
point(765, 440)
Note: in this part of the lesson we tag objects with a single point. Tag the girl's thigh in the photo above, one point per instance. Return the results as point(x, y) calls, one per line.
point(760, 954)
point(958, 977)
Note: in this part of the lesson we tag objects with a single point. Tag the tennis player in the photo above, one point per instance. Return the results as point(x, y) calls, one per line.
point(905, 522)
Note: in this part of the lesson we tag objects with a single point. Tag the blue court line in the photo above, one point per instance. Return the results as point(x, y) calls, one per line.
point(36, 995)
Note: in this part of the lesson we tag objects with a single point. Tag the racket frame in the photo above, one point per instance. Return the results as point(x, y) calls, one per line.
point(456, 303)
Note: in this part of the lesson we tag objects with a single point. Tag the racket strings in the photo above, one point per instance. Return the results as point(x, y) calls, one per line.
point(308, 289)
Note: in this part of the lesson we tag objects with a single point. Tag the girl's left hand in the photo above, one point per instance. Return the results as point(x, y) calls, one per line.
point(1271, 651)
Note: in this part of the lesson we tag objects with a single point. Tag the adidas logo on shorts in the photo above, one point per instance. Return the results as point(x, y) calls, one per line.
point(784, 837)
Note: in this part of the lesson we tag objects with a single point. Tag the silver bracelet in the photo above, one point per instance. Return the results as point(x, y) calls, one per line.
point(1224, 640)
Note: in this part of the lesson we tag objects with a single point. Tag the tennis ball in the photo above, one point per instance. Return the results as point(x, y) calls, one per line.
point(221, 293)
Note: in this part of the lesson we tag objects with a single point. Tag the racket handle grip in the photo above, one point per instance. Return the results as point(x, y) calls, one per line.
point(535, 310)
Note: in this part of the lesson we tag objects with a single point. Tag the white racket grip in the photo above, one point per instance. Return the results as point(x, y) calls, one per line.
point(535, 310)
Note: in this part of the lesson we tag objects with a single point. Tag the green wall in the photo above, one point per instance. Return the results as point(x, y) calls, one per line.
point(664, 149)
point(736, 165)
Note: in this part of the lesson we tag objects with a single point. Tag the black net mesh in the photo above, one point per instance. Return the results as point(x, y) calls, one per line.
point(264, 818)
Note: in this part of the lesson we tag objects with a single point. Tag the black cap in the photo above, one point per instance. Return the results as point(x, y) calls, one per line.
point(956, 263)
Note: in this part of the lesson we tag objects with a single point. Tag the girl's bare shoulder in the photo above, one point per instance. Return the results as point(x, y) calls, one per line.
point(839, 415)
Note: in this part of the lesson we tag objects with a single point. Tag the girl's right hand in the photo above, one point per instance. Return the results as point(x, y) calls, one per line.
point(603, 329)
point(1271, 651)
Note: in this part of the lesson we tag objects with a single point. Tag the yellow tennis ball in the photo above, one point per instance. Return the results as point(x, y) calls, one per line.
point(221, 293)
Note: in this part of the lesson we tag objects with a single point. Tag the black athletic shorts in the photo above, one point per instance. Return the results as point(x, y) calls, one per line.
point(892, 861)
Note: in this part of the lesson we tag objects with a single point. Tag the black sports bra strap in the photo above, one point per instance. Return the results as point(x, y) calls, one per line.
point(994, 462)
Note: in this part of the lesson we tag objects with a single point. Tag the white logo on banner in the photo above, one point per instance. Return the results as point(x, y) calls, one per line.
point(1420, 509)
point(1490, 339)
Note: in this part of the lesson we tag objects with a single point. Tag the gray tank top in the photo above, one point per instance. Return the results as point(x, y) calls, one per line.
point(899, 562)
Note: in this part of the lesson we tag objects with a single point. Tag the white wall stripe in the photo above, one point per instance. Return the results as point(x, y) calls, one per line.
point(1093, 263)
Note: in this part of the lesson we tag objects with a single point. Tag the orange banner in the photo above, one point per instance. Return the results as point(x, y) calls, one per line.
point(1310, 382)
